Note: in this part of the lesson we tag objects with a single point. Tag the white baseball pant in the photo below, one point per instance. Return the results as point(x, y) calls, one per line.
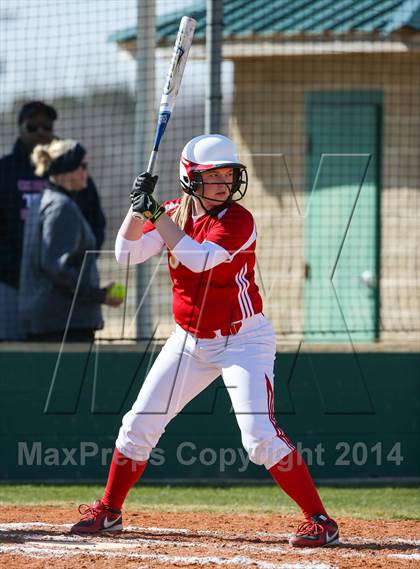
point(186, 366)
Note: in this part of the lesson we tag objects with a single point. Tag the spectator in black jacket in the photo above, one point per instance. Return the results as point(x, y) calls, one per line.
point(59, 292)
point(18, 186)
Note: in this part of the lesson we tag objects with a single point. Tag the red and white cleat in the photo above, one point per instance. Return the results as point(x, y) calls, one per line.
point(318, 531)
point(97, 518)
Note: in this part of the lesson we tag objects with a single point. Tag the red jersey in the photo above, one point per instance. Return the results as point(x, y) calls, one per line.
point(213, 299)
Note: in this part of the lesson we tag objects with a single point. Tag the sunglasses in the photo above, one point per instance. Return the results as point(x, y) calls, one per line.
point(33, 127)
point(84, 165)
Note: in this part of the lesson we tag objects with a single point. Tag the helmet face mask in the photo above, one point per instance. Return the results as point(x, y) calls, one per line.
point(208, 153)
point(237, 187)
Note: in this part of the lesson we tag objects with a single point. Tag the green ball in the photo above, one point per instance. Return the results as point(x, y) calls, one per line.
point(118, 291)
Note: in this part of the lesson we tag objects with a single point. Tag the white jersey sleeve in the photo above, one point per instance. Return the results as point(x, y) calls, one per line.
point(199, 257)
point(132, 252)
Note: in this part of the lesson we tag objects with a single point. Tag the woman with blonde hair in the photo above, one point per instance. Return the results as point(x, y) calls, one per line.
point(59, 294)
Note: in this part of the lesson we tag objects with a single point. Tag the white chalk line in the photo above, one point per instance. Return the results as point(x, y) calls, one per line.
point(412, 556)
point(211, 533)
point(354, 540)
point(240, 561)
point(102, 545)
point(107, 547)
point(126, 543)
point(40, 550)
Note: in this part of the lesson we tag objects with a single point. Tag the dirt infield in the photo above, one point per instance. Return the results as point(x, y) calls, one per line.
point(36, 538)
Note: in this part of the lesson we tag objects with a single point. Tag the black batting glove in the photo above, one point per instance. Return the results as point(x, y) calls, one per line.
point(144, 182)
point(143, 203)
point(145, 206)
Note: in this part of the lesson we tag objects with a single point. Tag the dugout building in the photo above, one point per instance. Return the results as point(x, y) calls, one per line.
point(325, 113)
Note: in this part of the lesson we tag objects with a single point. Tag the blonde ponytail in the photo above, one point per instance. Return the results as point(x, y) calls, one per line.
point(184, 211)
point(41, 159)
point(43, 154)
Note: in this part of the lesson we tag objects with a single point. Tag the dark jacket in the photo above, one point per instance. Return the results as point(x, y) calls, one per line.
point(18, 187)
point(59, 276)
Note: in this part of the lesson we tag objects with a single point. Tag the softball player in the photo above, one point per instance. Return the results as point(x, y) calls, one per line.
point(220, 330)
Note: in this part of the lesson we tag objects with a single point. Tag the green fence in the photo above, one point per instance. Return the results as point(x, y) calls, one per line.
point(352, 415)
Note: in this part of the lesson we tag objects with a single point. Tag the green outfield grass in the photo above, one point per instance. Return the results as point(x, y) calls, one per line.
point(366, 503)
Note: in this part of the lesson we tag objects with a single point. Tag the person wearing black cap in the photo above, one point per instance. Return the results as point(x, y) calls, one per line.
point(18, 186)
point(59, 293)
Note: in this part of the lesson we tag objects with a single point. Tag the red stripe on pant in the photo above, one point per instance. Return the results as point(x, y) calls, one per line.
point(270, 403)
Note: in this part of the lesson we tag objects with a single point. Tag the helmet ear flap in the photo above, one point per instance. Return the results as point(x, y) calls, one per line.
point(190, 188)
point(189, 183)
point(195, 183)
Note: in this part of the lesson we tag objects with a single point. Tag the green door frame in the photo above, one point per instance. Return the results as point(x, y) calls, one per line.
point(350, 97)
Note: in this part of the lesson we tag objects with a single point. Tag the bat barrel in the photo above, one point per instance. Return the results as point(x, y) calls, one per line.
point(172, 84)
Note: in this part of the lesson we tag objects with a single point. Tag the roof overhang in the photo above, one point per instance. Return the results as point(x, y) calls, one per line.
point(405, 40)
